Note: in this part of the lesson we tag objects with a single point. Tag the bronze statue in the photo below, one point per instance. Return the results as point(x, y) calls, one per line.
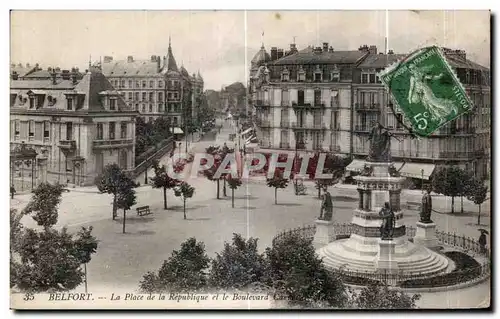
point(393, 172)
point(425, 213)
point(367, 170)
point(388, 222)
point(326, 212)
point(380, 144)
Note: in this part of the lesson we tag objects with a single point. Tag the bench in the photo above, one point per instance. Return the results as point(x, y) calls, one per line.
point(143, 211)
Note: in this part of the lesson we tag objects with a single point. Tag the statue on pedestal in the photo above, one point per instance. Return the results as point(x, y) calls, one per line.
point(380, 144)
point(326, 212)
point(426, 210)
point(388, 222)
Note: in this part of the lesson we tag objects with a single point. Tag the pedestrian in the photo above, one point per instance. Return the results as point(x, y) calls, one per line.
point(12, 191)
point(482, 242)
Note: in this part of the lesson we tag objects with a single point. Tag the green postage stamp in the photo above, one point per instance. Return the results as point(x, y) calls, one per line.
point(426, 90)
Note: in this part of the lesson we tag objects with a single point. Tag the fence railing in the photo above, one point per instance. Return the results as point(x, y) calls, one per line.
point(166, 146)
point(402, 279)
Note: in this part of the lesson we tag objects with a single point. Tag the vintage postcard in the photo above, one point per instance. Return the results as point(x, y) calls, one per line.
point(250, 160)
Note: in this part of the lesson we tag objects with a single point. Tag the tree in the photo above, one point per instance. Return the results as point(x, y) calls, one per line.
point(16, 229)
point(450, 181)
point(48, 259)
point(379, 296)
point(477, 193)
point(162, 180)
point(185, 191)
point(296, 273)
point(278, 181)
point(110, 181)
point(211, 171)
point(126, 198)
point(44, 204)
point(238, 265)
point(184, 271)
point(234, 183)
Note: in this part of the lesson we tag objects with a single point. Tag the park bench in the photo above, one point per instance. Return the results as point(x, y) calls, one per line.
point(143, 211)
point(413, 205)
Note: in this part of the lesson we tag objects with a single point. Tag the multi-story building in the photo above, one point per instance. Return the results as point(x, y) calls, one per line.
point(78, 122)
point(319, 99)
point(155, 87)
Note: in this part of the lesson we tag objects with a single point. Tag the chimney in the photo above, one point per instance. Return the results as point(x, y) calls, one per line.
point(49, 69)
point(293, 47)
point(363, 48)
point(274, 53)
point(158, 64)
point(74, 80)
point(153, 58)
point(58, 69)
point(130, 59)
point(54, 77)
point(390, 52)
point(318, 50)
point(325, 46)
point(15, 76)
point(330, 49)
point(372, 49)
point(280, 53)
point(108, 59)
point(65, 75)
point(20, 65)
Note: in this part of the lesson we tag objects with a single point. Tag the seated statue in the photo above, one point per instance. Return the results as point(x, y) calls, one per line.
point(388, 222)
point(326, 212)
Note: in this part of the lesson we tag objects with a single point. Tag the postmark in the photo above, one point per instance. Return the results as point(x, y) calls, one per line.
point(426, 89)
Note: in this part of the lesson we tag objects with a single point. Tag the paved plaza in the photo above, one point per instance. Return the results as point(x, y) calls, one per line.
point(122, 259)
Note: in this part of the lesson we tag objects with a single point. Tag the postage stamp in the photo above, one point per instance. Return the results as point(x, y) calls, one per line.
point(426, 89)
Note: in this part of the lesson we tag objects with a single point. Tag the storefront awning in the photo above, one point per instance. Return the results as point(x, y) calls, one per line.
point(176, 130)
point(355, 166)
point(417, 170)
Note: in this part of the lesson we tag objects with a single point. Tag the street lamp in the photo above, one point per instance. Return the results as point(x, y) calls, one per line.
point(422, 170)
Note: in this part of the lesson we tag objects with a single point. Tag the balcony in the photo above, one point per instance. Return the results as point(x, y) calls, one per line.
point(285, 123)
point(367, 107)
point(335, 148)
point(100, 144)
point(285, 145)
point(301, 105)
point(285, 103)
point(319, 105)
point(334, 105)
point(361, 129)
point(67, 144)
point(317, 126)
point(334, 127)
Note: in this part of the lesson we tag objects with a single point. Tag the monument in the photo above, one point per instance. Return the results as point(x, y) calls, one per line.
point(378, 241)
point(324, 224)
point(426, 228)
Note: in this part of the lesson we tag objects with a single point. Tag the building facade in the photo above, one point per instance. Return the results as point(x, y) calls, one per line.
point(319, 99)
point(78, 122)
point(155, 87)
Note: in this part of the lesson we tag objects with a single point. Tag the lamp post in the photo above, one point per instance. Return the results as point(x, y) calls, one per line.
point(422, 171)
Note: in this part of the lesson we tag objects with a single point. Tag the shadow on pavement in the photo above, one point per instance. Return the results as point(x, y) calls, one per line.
point(344, 199)
point(135, 220)
point(288, 204)
point(201, 218)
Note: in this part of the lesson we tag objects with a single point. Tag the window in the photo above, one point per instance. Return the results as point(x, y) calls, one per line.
point(160, 83)
point(317, 97)
point(69, 103)
point(372, 77)
point(144, 96)
point(150, 108)
point(364, 78)
point(31, 129)
point(130, 95)
point(46, 129)
point(175, 120)
point(151, 96)
point(32, 102)
point(399, 119)
point(300, 96)
point(160, 96)
point(100, 131)
point(143, 108)
point(151, 84)
point(111, 130)
point(169, 95)
point(123, 130)
point(69, 131)
point(170, 108)
point(176, 95)
point(122, 83)
point(137, 107)
point(112, 104)
point(12, 99)
point(137, 84)
point(160, 107)
point(130, 83)
point(143, 84)
point(285, 76)
point(16, 128)
point(301, 75)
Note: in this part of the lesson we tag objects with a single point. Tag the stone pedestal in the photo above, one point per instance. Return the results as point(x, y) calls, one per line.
point(426, 235)
point(324, 231)
point(385, 260)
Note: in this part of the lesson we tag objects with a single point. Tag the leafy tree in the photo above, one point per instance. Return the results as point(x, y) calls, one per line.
point(126, 198)
point(379, 296)
point(162, 180)
point(296, 273)
point(234, 183)
point(112, 179)
point(238, 265)
point(185, 191)
point(450, 181)
point(184, 271)
point(477, 193)
point(278, 181)
point(16, 229)
point(44, 204)
point(211, 171)
point(85, 245)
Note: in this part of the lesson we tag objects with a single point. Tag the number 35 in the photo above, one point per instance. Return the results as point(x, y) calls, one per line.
point(421, 121)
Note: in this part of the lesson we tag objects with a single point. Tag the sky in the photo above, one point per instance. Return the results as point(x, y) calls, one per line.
point(220, 44)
